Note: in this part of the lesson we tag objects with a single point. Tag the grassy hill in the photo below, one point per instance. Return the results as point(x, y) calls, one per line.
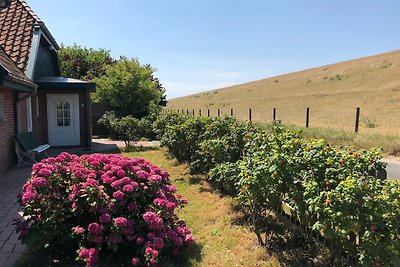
point(331, 92)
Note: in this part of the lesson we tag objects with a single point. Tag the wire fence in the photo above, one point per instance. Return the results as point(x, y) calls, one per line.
point(350, 119)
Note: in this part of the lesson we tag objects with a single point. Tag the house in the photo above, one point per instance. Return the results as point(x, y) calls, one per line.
point(33, 96)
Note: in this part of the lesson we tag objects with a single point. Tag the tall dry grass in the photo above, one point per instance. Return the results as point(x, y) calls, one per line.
point(331, 92)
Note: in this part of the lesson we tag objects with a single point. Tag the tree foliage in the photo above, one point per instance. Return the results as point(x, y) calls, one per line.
point(127, 86)
point(84, 63)
point(130, 88)
point(127, 128)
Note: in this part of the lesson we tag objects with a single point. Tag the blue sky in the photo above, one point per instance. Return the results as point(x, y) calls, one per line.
point(198, 45)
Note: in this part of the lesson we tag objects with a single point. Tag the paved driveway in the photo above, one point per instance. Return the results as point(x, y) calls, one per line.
point(10, 185)
point(392, 168)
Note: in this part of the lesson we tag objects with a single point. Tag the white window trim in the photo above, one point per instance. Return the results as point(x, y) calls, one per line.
point(37, 107)
point(2, 108)
point(29, 114)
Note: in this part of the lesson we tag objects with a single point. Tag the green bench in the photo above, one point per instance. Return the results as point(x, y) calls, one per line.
point(27, 148)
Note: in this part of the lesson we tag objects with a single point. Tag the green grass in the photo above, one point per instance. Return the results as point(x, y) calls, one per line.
point(220, 242)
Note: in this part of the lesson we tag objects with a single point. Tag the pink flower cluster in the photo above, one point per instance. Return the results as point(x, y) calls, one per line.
point(109, 200)
point(90, 256)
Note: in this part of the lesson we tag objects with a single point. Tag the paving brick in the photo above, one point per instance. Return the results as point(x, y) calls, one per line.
point(11, 260)
point(3, 260)
point(19, 248)
point(10, 184)
point(7, 248)
point(6, 234)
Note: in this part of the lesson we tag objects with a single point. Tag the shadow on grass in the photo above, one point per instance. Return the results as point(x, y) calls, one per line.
point(194, 180)
point(289, 244)
point(35, 257)
point(139, 148)
point(108, 151)
point(293, 248)
point(187, 258)
point(206, 190)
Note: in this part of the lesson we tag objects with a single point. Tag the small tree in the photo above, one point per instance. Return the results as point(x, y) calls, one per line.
point(127, 128)
point(84, 63)
point(130, 88)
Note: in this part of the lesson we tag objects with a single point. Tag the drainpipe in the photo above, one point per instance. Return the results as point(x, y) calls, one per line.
point(19, 100)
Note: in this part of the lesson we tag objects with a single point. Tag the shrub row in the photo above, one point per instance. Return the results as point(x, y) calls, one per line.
point(330, 190)
point(202, 142)
point(105, 208)
point(127, 128)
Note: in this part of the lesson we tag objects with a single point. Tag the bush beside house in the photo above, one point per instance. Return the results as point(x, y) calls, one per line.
point(105, 208)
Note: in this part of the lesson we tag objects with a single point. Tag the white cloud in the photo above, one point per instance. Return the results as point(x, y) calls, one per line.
point(177, 89)
point(224, 84)
point(228, 74)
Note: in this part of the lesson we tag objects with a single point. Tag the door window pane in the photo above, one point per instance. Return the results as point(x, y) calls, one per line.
point(63, 110)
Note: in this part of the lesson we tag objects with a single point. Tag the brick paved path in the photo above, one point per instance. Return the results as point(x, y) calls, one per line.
point(11, 184)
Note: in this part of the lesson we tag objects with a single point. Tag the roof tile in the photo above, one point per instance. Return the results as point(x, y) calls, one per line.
point(16, 31)
point(12, 69)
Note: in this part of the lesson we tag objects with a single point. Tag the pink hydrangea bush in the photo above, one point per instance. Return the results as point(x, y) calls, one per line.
point(102, 206)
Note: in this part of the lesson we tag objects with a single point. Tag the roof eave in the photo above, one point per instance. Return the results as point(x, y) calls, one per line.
point(17, 85)
point(48, 35)
point(61, 85)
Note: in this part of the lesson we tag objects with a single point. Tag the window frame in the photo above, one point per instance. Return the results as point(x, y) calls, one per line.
point(2, 108)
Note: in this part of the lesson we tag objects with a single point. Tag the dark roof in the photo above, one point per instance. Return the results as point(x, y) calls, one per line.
point(12, 70)
point(17, 24)
point(17, 80)
point(62, 82)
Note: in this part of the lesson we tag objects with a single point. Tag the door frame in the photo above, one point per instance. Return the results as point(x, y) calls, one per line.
point(75, 118)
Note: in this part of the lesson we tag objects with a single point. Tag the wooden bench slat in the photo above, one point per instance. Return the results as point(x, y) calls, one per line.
point(41, 148)
point(27, 148)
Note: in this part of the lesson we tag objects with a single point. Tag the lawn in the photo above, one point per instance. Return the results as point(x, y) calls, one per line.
point(221, 239)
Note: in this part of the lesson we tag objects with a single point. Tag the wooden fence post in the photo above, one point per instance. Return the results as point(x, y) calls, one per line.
point(193, 112)
point(187, 112)
point(219, 113)
point(208, 112)
point(200, 112)
point(307, 117)
point(249, 114)
point(274, 114)
point(231, 112)
point(357, 120)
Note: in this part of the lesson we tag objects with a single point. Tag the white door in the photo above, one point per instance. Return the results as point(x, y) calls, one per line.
point(63, 119)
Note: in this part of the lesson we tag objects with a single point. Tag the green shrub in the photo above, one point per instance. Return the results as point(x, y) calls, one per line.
point(163, 121)
point(224, 176)
point(182, 135)
point(328, 189)
point(223, 141)
point(128, 128)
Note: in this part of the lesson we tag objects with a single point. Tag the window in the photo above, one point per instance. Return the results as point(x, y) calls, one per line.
point(63, 114)
point(29, 113)
point(2, 115)
point(37, 107)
